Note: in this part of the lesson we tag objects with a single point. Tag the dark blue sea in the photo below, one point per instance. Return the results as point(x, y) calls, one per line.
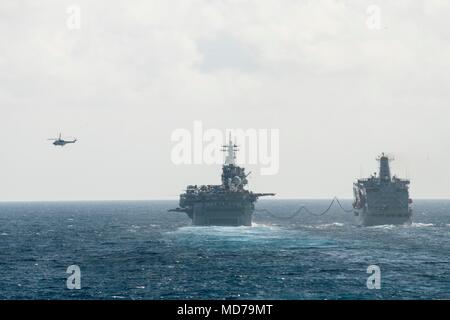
point(137, 250)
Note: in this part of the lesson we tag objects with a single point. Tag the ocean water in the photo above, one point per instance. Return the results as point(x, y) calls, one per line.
point(137, 250)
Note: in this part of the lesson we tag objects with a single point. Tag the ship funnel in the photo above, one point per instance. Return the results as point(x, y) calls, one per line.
point(385, 171)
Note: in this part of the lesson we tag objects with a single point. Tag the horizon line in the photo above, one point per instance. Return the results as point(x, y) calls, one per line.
point(176, 199)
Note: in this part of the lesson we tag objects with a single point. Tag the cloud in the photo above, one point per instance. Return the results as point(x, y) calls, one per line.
point(135, 72)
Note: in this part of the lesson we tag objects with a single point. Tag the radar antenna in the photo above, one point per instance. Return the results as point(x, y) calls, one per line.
point(230, 149)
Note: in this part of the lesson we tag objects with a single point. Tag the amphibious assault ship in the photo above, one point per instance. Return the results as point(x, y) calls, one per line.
point(227, 204)
point(382, 200)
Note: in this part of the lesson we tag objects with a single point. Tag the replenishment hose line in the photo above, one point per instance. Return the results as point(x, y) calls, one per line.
point(305, 209)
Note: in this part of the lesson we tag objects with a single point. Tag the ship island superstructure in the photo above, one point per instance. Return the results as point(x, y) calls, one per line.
point(227, 204)
point(382, 199)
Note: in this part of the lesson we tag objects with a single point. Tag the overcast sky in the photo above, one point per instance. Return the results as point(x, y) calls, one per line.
point(339, 92)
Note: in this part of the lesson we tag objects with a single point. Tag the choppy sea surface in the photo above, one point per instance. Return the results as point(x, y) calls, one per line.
point(137, 250)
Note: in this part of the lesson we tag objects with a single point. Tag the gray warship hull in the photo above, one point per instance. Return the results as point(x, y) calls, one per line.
point(204, 214)
point(227, 204)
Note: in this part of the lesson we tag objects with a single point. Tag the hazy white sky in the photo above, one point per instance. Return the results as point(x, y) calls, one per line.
point(135, 71)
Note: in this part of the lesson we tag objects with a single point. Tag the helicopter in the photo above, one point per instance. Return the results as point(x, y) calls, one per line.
point(61, 142)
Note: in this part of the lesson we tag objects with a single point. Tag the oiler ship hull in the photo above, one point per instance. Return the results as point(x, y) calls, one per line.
point(367, 218)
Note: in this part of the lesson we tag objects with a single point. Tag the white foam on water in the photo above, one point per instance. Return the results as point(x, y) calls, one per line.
point(3, 234)
point(421, 225)
point(384, 226)
point(412, 225)
point(330, 225)
point(256, 232)
point(263, 226)
point(325, 225)
point(256, 227)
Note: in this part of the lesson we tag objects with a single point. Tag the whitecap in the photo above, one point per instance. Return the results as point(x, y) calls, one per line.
point(264, 226)
point(226, 230)
point(256, 232)
point(328, 225)
point(384, 226)
point(420, 225)
point(325, 225)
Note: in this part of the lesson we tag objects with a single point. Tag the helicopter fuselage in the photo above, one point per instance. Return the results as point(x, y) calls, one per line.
point(62, 143)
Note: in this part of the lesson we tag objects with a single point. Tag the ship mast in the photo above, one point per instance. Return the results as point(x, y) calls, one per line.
point(230, 149)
